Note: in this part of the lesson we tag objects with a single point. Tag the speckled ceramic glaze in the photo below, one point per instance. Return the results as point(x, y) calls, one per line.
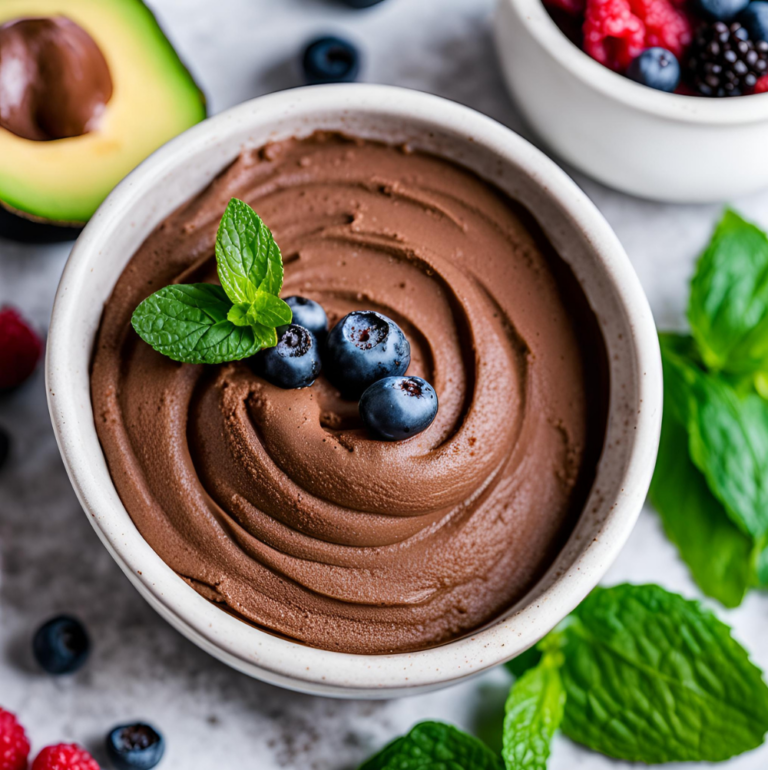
point(577, 230)
point(666, 147)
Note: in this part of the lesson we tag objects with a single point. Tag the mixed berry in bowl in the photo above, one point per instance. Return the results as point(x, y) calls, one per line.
point(694, 47)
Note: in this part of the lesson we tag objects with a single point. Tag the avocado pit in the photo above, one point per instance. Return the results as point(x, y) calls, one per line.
point(54, 79)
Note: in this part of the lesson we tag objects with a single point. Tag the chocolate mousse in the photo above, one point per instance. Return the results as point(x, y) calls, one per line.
point(278, 504)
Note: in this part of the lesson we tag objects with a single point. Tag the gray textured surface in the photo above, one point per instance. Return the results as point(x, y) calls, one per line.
point(51, 561)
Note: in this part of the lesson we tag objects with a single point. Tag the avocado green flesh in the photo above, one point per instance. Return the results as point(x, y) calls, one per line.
point(155, 98)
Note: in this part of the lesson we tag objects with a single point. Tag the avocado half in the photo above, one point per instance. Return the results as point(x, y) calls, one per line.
point(49, 189)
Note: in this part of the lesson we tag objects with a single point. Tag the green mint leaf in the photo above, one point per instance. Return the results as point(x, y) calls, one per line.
point(188, 323)
point(238, 314)
point(265, 335)
point(651, 677)
point(434, 746)
point(727, 434)
point(266, 310)
point(762, 567)
point(269, 310)
point(729, 444)
point(247, 257)
point(719, 555)
point(525, 661)
point(728, 307)
point(534, 712)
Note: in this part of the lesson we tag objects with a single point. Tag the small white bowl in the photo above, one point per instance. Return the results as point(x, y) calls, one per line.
point(667, 147)
point(573, 224)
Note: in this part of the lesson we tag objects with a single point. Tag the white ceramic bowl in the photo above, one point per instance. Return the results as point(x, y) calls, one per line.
point(578, 231)
point(661, 146)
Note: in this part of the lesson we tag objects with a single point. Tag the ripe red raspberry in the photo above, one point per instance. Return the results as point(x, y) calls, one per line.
point(20, 349)
point(64, 756)
point(761, 87)
point(665, 25)
point(616, 31)
point(14, 746)
point(613, 35)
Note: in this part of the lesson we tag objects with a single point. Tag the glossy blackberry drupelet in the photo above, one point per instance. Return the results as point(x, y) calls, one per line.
point(362, 348)
point(656, 68)
point(754, 18)
point(724, 61)
point(61, 645)
point(330, 60)
point(310, 315)
point(294, 362)
point(720, 10)
point(397, 408)
point(135, 747)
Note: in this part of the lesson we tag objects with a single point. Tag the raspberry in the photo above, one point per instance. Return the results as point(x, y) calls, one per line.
point(14, 746)
point(613, 35)
point(64, 756)
point(20, 349)
point(665, 25)
point(761, 86)
point(617, 31)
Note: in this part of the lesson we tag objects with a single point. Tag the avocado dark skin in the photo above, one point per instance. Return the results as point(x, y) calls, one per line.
point(16, 228)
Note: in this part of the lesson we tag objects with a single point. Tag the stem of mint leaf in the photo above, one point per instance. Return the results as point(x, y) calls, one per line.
point(209, 324)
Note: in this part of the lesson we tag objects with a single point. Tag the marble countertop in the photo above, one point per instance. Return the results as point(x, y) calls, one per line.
point(51, 560)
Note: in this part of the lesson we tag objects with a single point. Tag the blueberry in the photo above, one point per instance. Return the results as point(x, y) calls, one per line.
point(720, 10)
point(310, 315)
point(397, 408)
point(657, 68)
point(61, 645)
point(330, 60)
point(362, 3)
point(754, 18)
point(135, 747)
point(294, 362)
point(364, 347)
point(5, 447)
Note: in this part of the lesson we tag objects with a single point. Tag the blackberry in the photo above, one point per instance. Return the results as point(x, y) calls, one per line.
point(724, 61)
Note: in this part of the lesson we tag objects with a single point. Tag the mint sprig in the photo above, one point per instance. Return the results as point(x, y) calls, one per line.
point(635, 672)
point(208, 324)
point(710, 486)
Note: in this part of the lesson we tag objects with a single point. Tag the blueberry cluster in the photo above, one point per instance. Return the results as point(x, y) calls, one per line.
point(365, 356)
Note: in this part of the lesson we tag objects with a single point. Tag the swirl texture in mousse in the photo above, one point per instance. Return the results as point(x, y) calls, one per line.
point(275, 503)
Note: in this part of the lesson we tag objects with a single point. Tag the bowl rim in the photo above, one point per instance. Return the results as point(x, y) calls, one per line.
point(677, 107)
point(251, 649)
